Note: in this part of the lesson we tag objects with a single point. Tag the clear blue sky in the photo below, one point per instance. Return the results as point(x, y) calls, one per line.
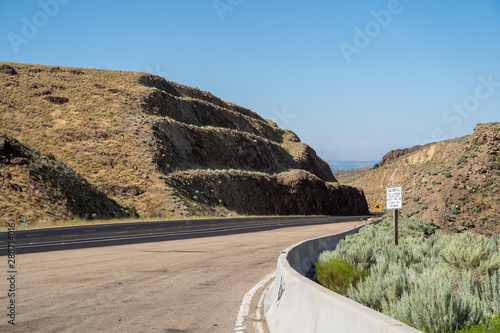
point(353, 79)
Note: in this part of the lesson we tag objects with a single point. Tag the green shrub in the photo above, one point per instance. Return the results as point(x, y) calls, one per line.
point(132, 210)
point(471, 252)
point(448, 218)
point(489, 292)
point(454, 209)
point(488, 324)
point(432, 305)
point(50, 156)
point(432, 281)
point(338, 275)
point(462, 159)
point(447, 174)
point(387, 283)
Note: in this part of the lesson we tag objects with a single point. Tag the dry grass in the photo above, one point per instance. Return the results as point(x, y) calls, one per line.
point(100, 133)
point(97, 123)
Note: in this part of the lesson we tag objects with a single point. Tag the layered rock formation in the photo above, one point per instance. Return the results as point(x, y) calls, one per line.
point(151, 144)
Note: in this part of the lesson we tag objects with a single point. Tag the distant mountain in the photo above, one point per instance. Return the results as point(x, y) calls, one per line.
point(340, 166)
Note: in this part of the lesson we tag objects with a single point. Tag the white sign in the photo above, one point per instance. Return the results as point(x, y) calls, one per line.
point(394, 198)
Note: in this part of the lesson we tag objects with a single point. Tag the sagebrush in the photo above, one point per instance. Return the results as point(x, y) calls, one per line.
point(432, 281)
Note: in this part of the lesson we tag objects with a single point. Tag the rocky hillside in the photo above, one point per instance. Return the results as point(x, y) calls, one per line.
point(37, 186)
point(454, 183)
point(165, 149)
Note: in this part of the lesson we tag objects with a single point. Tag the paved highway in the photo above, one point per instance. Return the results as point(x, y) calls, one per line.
point(200, 285)
point(53, 239)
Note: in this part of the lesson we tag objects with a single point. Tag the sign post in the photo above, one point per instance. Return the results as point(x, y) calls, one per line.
point(394, 201)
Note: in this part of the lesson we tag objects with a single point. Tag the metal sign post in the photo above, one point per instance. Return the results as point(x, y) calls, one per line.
point(395, 222)
point(394, 201)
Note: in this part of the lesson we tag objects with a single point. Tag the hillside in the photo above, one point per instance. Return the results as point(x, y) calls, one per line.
point(151, 145)
point(30, 179)
point(454, 183)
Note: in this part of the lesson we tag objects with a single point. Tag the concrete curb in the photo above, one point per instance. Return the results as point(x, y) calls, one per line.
point(294, 303)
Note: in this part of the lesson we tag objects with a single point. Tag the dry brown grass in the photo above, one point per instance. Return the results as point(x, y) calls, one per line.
point(100, 133)
point(100, 124)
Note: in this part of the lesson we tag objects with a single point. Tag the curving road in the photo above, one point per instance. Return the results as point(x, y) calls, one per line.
point(205, 284)
point(74, 237)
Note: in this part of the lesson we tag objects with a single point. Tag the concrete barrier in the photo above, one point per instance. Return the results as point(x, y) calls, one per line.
point(294, 303)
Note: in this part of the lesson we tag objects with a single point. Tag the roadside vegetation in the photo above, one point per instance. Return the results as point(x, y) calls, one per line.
point(433, 281)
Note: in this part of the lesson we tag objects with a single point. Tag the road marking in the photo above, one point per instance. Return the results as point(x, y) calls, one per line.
point(259, 328)
point(245, 304)
point(118, 237)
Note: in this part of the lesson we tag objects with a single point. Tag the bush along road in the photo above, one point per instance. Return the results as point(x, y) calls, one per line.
point(433, 281)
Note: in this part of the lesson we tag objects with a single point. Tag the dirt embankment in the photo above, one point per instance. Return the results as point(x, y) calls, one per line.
point(454, 183)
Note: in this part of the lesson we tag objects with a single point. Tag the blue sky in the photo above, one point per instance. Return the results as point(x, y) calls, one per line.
point(353, 79)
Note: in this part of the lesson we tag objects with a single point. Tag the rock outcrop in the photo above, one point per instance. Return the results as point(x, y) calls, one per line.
point(149, 144)
point(394, 154)
point(454, 183)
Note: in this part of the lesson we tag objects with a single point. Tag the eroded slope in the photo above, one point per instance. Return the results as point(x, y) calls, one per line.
point(133, 134)
point(35, 185)
point(455, 183)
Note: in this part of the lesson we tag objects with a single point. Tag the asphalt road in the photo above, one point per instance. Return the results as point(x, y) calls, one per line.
point(74, 237)
point(175, 286)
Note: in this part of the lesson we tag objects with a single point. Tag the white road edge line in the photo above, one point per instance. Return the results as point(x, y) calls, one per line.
point(259, 328)
point(245, 304)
